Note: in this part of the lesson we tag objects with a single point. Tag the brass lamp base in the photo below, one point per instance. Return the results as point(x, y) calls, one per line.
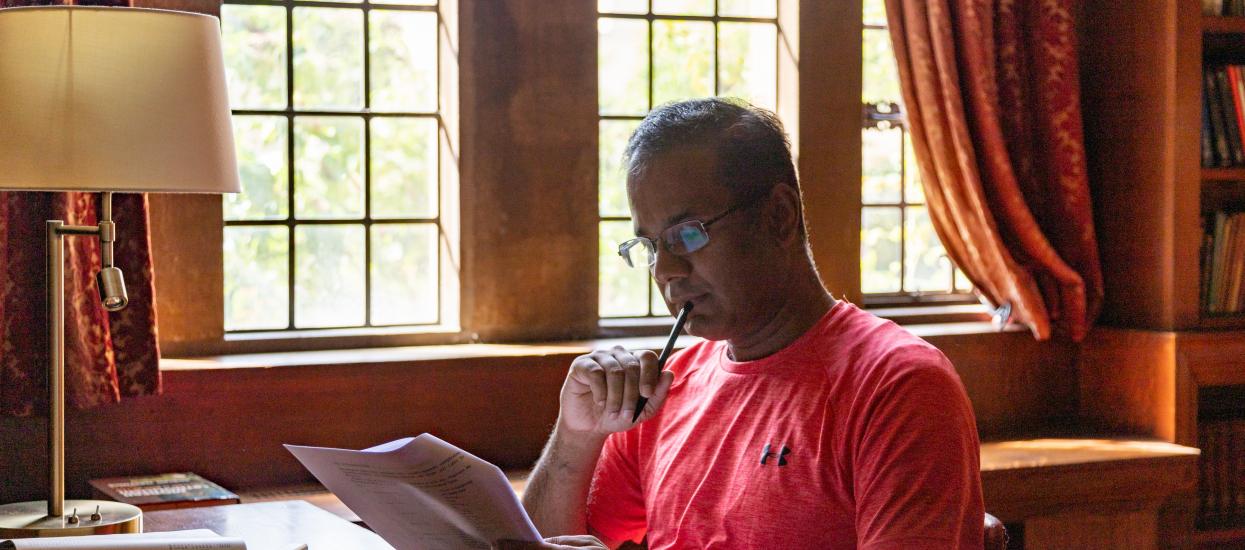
point(30, 519)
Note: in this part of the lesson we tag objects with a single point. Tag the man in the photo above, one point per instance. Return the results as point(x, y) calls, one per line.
point(801, 421)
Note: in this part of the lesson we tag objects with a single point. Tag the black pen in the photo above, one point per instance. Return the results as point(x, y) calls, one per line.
point(665, 354)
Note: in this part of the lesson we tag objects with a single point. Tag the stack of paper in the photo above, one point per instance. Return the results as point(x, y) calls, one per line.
point(423, 493)
point(197, 539)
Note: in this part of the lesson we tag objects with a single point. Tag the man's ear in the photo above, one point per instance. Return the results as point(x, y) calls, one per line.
point(782, 214)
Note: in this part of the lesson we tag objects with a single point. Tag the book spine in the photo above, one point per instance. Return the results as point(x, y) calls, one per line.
point(1231, 268)
point(1216, 263)
point(1203, 295)
point(1208, 142)
point(1238, 265)
point(1223, 157)
point(1229, 115)
point(1221, 268)
point(1233, 75)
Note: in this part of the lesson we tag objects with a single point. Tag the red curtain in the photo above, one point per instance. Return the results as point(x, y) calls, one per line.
point(993, 106)
point(107, 355)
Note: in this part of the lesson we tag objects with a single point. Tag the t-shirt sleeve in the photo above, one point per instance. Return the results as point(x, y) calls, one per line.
point(615, 499)
point(917, 477)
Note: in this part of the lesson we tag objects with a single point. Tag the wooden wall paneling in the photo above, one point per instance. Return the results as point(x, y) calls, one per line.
point(228, 423)
point(1136, 530)
point(829, 144)
point(1137, 145)
point(529, 168)
point(1214, 358)
point(1128, 382)
point(1019, 387)
point(1185, 117)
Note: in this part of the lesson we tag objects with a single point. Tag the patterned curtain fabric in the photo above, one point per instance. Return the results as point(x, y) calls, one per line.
point(993, 105)
point(107, 355)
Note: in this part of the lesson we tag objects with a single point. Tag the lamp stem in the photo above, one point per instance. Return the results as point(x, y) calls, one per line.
point(56, 368)
point(107, 233)
point(56, 345)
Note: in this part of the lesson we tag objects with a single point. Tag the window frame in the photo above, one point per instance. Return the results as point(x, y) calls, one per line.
point(611, 324)
point(487, 97)
point(895, 118)
point(291, 112)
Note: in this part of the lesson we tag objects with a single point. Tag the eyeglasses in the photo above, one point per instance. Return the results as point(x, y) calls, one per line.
point(680, 239)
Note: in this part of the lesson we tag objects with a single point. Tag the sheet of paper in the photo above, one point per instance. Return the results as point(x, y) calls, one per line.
point(422, 493)
point(196, 539)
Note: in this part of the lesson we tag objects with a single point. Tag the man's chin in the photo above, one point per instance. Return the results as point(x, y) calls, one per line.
point(703, 328)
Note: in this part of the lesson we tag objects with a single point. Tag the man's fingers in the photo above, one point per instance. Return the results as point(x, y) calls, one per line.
point(632, 367)
point(592, 375)
point(631, 391)
point(650, 373)
point(518, 545)
point(663, 389)
point(551, 543)
point(576, 541)
point(615, 380)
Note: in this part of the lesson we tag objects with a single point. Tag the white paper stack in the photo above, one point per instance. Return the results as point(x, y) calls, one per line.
point(197, 539)
point(423, 493)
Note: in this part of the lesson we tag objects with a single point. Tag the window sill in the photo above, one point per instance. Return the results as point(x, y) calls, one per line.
point(944, 314)
point(412, 354)
point(914, 318)
point(280, 341)
point(487, 352)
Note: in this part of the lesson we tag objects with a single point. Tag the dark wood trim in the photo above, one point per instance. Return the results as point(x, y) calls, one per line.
point(529, 169)
point(1141, 103)
point(1236, 175)
point(829, 143)
point(1223, 25)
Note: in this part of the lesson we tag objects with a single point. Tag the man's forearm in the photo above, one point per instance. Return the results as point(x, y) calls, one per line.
point(556, 496)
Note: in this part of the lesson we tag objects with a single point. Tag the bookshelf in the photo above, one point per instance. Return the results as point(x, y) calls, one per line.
point(1157, 349)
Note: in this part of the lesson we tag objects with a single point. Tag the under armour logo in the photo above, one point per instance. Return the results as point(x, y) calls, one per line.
point(782, 455)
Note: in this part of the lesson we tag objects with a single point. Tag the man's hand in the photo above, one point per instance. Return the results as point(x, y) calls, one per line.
point(601, 389)
point(552, 543)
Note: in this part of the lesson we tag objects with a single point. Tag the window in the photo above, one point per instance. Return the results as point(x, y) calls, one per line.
point(901, 258)
point(337, 122)
point(653, 53)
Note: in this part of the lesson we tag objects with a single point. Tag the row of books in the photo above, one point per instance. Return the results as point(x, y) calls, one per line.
point(1223, 264)
point(1223, 7)
point(1223, 116)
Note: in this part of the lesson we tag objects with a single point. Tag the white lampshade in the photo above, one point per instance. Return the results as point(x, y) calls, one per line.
point(113, 99)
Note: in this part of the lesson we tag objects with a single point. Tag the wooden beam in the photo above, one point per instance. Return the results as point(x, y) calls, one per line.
point(529, 168)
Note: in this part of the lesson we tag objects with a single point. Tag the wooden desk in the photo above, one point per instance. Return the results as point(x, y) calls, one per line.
point(270, 526)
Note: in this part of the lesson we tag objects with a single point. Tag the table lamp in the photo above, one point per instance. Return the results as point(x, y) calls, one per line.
point(112, 99)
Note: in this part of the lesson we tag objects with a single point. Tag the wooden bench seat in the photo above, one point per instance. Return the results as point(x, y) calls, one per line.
point(1092, 493)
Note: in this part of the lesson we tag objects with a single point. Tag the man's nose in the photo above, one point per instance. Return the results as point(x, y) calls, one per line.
point(669, 266)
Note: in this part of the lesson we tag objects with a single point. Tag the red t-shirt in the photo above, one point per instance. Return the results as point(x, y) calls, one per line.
point(858, 434)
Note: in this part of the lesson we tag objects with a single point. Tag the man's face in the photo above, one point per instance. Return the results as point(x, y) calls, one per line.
point(729, 279)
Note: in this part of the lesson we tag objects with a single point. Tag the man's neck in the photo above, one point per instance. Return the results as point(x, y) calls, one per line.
point(802, 307)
